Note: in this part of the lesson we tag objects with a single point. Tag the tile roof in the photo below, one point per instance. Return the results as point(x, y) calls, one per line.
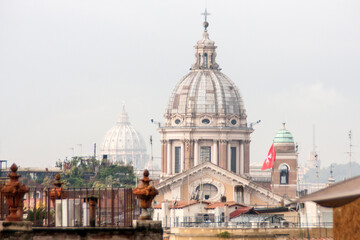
point(242, 210)
point(180, 204)
point(222, 204)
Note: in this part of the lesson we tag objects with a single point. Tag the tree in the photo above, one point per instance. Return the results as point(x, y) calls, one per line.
point(93, 173)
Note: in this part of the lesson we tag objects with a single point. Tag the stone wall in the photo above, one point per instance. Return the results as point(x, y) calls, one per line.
point(145, 230)
point(250, 234)
point(347, 221)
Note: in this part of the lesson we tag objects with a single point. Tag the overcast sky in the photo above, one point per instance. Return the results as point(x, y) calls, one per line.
point(67, 66)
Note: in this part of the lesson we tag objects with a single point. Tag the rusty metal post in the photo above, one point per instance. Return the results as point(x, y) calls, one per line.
point(92, 200)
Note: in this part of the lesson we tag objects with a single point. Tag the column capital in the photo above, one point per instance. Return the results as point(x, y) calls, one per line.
point(223, 141)
point(187, 140)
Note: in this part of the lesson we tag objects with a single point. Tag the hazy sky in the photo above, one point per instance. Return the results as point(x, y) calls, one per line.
point(67, 66)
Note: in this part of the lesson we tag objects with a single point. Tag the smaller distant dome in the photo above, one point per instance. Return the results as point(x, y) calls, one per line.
point(283, 136)
point(122, 143)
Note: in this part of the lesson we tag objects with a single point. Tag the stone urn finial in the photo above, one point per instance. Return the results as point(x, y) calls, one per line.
point(57, 192)
point(145, 193)
point(14, 193)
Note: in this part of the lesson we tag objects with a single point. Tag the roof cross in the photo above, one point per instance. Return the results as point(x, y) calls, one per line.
point(205, 14)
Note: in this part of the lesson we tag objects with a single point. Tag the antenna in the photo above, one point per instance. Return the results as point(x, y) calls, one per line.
point(155, 122)
point(254, 123)
point(94, 150)
point(151, 156)
point(350, 151)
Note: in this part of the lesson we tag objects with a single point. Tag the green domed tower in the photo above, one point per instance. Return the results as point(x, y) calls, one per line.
point(284, 173)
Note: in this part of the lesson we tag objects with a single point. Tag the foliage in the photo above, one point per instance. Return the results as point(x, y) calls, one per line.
point(81, 172)
point(47, 182)
point(225, 234)
point(41, 214)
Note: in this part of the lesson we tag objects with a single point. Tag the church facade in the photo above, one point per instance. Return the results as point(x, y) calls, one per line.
point(205, 141)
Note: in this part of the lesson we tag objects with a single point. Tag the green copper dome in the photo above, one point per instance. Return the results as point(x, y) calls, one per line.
point(283, 136)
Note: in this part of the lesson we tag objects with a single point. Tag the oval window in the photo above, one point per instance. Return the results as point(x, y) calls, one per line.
point(233, 122)
point(205, 121)
point(177, 121)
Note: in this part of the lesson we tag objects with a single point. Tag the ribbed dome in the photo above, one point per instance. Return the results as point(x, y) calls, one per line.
point(206, 93)
point(122, 143)
point(283, 136)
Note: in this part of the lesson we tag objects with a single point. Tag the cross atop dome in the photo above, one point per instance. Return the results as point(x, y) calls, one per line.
point(205, 23)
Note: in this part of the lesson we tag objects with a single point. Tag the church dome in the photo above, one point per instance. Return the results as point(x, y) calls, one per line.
point(206, 95)
point(283, 136)
point(122, 143)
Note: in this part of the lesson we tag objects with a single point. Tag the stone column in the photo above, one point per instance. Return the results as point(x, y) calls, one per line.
point(196, 152)
point(222, 155)
point(163, 157)
point(215, 159)
point(242, 157)
point(189, 154)
point(182, 163)
point(168, 158)
point(229, 156)
point(238, 156)
point(247, 156)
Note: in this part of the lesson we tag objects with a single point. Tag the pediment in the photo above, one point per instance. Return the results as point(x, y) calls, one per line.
point(208, 170)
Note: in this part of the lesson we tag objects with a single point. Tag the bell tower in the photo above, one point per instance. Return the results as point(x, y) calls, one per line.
point(284, 172)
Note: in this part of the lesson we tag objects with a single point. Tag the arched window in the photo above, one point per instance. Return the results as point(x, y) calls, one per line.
point(205, 60)
point(284, 174)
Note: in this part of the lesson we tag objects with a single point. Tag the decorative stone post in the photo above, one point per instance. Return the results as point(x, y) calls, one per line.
point(57, 192)
point(14, 193)
point(145, 193)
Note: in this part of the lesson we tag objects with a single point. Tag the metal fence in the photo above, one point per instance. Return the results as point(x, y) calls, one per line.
point(116, 207)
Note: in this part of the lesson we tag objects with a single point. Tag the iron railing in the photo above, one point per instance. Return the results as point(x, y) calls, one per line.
point(116, 207)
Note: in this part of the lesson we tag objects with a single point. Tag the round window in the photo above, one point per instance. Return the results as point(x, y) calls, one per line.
point(233, 122)
point(177, 121)
point(205, 121)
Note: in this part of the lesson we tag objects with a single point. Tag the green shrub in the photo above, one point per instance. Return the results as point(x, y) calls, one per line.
point(225, 234)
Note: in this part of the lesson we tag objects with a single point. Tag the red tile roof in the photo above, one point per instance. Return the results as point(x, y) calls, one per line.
point(222, 204)
point(241, 211)
point(180, 204)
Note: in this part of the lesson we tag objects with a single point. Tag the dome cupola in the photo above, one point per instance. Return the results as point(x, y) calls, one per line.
point(283, 136)
point(206, 97)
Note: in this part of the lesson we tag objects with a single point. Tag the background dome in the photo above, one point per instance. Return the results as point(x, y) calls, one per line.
point(283, 136)
point(122, 143)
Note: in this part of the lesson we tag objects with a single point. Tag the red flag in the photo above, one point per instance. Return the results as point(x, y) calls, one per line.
point(270, 159)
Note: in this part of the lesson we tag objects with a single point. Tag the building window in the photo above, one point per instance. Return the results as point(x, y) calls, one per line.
point(177, 159)
point(205, 154)
point(199, 59)
point(205, 121)
point(233, 159)
point(284, 174)
point(207, 191)
point(205, 60)
point(239, 194)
